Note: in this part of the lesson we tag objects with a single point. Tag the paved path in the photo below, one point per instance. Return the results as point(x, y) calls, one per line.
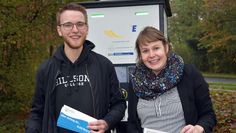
point(223, 80)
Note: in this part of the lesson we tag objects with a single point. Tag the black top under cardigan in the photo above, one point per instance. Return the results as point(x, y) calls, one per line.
point(196, 102)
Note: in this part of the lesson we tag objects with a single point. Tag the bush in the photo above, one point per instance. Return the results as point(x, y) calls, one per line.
point(225, 109)
point(185, 52)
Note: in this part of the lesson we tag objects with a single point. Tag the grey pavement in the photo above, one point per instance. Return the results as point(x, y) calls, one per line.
point(222, 80)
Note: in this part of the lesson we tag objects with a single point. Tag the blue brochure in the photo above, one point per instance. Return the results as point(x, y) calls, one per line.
point(74, 120)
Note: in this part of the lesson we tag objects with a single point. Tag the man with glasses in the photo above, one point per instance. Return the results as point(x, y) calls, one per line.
point(77, 77)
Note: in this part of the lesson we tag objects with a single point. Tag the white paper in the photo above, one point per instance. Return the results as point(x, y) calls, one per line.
point(74, 120)
point(147, 130)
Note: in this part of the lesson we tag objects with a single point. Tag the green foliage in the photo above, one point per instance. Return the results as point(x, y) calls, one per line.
point(26, 35)
point(220, 34)
point(184, 30)
point(185, 52)
point(211, 23)
point(12, 124)
point(184, 24)
point(28, 32)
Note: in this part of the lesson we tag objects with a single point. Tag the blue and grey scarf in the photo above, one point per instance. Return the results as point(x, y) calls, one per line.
point(147, 85)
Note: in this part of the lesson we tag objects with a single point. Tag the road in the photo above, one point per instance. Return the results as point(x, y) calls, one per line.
point(223, 80)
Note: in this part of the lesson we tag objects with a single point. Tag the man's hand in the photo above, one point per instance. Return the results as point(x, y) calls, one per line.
point(192, 129)
point(99, 126)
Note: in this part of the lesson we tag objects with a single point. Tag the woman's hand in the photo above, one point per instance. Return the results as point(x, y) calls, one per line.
point(192, 129)
point(99, 126)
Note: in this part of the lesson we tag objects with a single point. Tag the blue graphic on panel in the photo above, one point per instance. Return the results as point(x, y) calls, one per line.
point(134, 28)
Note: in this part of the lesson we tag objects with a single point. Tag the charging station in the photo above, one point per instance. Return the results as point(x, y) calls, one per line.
point(114, 27)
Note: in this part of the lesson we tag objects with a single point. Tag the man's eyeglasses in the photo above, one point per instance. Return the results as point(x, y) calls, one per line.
point(69, 26)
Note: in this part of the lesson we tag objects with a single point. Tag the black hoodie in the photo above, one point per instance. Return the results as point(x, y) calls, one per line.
point(107, 101)
point(72, 84)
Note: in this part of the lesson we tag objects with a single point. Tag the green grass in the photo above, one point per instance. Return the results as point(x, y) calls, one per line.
point(220, 85)
point(219, 75)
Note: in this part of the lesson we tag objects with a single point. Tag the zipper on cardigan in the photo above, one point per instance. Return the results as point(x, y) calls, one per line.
point(91, 90)
point(54, 86)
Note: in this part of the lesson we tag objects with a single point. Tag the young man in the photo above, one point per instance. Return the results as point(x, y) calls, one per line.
point(78, 77)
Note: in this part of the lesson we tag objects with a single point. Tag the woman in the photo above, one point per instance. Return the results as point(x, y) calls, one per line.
point(167, 95)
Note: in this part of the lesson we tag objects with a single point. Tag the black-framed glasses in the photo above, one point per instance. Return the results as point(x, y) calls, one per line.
point(69, 25)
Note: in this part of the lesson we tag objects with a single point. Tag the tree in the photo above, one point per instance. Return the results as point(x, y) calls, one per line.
point(219, 38)
point(185, 32)
point(27, 32)
point(205, 29)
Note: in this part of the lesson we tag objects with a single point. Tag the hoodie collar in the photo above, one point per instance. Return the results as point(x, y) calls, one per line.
point(61, 56)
